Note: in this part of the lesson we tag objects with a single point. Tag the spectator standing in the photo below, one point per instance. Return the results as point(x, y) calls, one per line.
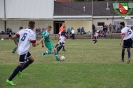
point(10, 33)
point(73, 35)
point(93, 29)
point(68, 32)
point(82, 30)
point(79, 30)
point(114, 28)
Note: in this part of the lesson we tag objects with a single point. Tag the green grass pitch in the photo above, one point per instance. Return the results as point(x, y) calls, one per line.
point(86, 66)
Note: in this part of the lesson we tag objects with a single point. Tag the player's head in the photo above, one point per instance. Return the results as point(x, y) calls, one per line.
point(122, 24)
point(49, 28)
point(31, 24)
point(20, 28)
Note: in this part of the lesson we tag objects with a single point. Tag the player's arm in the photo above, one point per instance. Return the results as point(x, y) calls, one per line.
point(122, 37)
point(42, 44)
point(33, 40)
point(34, 44)
point(14, 38)
point(41, 41)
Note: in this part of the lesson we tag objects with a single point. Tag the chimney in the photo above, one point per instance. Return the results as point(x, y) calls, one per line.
point(107, 8)
point(84, 8)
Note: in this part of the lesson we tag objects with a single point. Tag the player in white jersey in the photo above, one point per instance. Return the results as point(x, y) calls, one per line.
point(127, 34)
point(95, 37)
point(26, 36)
point(62, 37)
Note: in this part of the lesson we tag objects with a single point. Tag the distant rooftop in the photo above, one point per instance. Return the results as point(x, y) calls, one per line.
point(85, 8)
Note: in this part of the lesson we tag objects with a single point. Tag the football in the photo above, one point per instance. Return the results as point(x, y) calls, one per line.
point(62, 58)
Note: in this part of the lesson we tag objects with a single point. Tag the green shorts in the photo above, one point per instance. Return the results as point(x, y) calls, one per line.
point(49, 46)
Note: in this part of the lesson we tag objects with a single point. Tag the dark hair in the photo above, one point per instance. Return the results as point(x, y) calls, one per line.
point(131, 27)
point(20, 27)
point(31, 23)
point(122, 23)
point(49, 26)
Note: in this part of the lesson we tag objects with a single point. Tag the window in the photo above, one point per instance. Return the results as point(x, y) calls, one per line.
point(129, 23)
point(100, 23)
point(116, 23)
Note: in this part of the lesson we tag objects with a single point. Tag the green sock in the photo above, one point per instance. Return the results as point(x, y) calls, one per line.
point(49, 52)
point(56, 56)
point(15, 49)
point(45, 52)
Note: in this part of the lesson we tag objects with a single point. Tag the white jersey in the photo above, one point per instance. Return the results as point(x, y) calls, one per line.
point(96, 34)
point(26, 36)
point(62, 38)
point(72, 31)
point(127, 32)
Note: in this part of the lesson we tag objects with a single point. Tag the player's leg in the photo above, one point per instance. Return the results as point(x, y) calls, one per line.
point(59, 48)
point(128, 50)
point(129, 55)
point(15, 48)
point(46, 52)
point(123, 50)
point(30, 61)
point(122, 55)
point(56, 54)
point(95, 40)
point(17, 69)
point(50, 47)
point(57, 44)
point(63, 47)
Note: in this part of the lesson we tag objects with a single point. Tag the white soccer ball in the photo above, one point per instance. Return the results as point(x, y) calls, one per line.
point(62, 58)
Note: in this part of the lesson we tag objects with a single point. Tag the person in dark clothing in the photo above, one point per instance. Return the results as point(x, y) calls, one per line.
point(93, 29)
point(10, 34)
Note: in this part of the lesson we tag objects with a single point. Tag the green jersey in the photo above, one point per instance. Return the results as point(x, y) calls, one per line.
point(47, 42)
point(45, 35)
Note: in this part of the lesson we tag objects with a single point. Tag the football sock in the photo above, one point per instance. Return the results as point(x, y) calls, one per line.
point(58, 49)
point(46, 52)
point(15, 48)
point(26, 64)
point(95, 41)
point(56, 56)
point(49, 52)
point(129, 54)
point(123, 53)
point(15, 72)
point(56, 45)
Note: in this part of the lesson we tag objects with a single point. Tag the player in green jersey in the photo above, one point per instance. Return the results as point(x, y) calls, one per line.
point(15, 48)
point(46, 41)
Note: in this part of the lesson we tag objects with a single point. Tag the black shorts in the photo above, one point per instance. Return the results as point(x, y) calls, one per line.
point(95, 37)
point(127, 43)
point(23, 58)
point(61, 43)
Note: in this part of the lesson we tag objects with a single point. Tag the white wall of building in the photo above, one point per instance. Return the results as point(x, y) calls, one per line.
point(14, 25)
point(29, 8)
point(76, 24)
point(1, 8)
point(2, 28)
